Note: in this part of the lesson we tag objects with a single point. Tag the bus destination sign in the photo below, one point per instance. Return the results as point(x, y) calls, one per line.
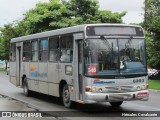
point(114, 31)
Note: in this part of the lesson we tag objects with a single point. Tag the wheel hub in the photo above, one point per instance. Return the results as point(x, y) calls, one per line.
point(66, 95)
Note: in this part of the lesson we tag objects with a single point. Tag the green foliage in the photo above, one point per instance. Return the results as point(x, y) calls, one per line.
point(152, 26)
point(109, 17)
point(154, 84)
point(153, 51)
point(3, 70)
point(59, 14)
point(7, 33)
point(83, 8)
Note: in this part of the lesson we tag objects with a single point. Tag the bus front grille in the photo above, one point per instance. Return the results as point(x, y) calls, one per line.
point(119, 89)
point(119, 97)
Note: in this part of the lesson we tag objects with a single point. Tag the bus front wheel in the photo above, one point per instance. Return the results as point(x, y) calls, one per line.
point(66, 97)
point(116, 104)
point(26, 91)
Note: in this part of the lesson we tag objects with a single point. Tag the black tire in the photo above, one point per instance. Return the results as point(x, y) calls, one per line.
point(116, 104)
point(66, 97)
point(26, 90)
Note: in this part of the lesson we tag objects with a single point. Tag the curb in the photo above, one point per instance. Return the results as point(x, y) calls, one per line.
point(154, 90)
point(35, 109)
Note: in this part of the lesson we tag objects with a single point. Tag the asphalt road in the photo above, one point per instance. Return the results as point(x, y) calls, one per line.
point(86, 112)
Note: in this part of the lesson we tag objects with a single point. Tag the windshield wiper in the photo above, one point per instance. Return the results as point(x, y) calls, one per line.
point(128, 44)
point(106, 42)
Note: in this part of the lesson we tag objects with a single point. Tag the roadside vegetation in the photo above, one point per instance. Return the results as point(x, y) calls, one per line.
point(3, 70)
point(154, 84)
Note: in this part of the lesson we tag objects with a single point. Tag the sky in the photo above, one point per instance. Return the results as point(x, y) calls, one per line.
point(11, 10)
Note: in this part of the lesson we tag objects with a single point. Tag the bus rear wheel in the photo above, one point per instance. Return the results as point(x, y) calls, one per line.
point(26, 91)
point(66, 97)
point(116, 104)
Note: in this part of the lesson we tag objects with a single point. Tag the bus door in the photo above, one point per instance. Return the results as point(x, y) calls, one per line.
point(80, 69)
point(18, 63)
point(78, 61)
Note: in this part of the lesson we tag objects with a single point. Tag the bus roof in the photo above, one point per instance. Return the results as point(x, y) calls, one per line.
point(67, 30)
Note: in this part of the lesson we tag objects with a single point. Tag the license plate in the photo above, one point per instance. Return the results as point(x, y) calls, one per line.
point(143, 94)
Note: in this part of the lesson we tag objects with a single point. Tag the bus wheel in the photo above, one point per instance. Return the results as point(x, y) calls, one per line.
point(26, 91)
point(116, 104)
point(66, 97)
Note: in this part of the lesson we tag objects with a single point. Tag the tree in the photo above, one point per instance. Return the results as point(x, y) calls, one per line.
point(60, 13)
point(47, 16)
point(8, 32)
point(88, 11)
point(152, 26)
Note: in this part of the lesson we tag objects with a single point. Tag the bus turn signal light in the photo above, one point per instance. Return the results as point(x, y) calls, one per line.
point(87, 89)
point(147, 86)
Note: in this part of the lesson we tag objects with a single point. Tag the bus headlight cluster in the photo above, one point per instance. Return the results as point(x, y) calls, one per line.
point(142, 87)
point(95, 89)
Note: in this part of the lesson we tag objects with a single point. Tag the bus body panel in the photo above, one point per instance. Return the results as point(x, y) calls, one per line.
point(33, 76)
point(63, 75)
point(13, 78)
point(25, 69)
point(53, 89)
point(53, 79)
point(43, 87)
point(68, 78)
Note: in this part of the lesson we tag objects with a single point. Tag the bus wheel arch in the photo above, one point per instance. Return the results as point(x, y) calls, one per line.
point(25, 87)
point(61, 86)
point(65, 94)
point(23, 77)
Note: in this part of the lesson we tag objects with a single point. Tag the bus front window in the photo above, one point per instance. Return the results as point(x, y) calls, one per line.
point(101, 57)
point(115, 56)
point(132, 56)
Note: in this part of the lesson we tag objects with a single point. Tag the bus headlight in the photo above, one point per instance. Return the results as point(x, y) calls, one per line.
point(100, 90)
point(138, 88)
point(94, 89)
point(144, 87)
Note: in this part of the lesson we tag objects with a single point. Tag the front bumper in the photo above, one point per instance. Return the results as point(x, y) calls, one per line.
point(91, 97)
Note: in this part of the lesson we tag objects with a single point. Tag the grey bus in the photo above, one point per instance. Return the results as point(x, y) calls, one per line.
point(91, 63)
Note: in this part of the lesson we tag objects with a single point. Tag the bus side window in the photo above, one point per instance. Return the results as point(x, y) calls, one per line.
point(12, 56)
point(66, 49)
point(26, 51)
point(34, 54)
point(54, 49)
point(43, 50)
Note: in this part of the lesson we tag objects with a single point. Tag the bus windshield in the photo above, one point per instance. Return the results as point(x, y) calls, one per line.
point(115, 56)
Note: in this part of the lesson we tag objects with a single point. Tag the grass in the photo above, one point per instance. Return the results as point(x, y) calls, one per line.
point(154, 84)
point(3, 70)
